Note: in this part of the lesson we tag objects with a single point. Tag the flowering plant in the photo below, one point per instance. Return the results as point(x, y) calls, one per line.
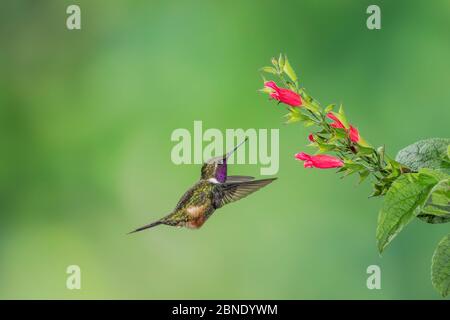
point(415, 184)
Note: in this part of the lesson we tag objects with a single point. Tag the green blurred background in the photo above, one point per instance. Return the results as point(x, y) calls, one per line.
point(85, 124)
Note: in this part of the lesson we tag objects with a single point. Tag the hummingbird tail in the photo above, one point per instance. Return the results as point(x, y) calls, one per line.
point(150, 225)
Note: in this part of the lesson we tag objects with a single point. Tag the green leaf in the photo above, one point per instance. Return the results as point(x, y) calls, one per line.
point(434, 173)
point(365, 151)
point(325, 147)
point(353, 166)
point(292, 87)
point(265, 90)
point(281, 61)
point(340, 133)
point(295, 116)
point(309, 103)
point(437, 206)
point(381, 151)
point(289, 70)
point(329, 108)
point(363, 175)
point(275, 62)
point(436, 211)
point(308, 123)
point(377, 190)
point(269, 70)
point(403, 201)
point(440, 267)
point(341, 116)
point(433, 219)
point(430, 153)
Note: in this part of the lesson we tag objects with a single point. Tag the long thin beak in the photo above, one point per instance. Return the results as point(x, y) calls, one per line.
point(232, 151)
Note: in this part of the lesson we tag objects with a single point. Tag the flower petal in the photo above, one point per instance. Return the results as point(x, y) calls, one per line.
point(321, 161)
point(353, 134)
point(283, 95)
point(271, 84)
point(303, 156)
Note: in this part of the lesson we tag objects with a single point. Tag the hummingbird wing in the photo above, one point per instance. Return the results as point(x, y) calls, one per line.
point(239, 178)
point(233, 191)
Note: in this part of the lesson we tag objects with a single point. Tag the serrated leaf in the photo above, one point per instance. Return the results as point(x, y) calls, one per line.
point(430, 153)
point(433, 219)
point(440, 267)
point(434, 173)
point(289, 70)
point(440, 196)
point(437, 206)
point(403, 201)
point(437, 211)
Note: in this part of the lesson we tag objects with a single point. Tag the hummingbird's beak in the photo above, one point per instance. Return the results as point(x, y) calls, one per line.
point(232, 151)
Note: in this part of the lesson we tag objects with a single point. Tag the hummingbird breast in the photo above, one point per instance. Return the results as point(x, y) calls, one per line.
point(196, 205)
point(197, 216)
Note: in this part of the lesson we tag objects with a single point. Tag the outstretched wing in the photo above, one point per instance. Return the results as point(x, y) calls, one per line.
point(233, 191)
point(239, 178)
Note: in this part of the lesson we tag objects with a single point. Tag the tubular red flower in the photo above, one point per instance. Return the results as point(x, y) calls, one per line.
point(283, 95)
point(321, 161)
point(337, 123)
point(311, 138)
point(353, 134)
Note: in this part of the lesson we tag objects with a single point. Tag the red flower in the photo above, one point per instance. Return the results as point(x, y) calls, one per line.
point(311, 138)
point(337, 123)
point(353, 134)
point(321, 161)
point(284, 95)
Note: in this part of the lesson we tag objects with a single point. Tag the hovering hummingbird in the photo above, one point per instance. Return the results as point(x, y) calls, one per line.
point(214, 190)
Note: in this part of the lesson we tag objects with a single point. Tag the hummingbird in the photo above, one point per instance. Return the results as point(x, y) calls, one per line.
point(214, 190)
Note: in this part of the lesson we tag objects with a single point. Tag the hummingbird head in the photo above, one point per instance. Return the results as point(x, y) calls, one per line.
point(216, 168)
